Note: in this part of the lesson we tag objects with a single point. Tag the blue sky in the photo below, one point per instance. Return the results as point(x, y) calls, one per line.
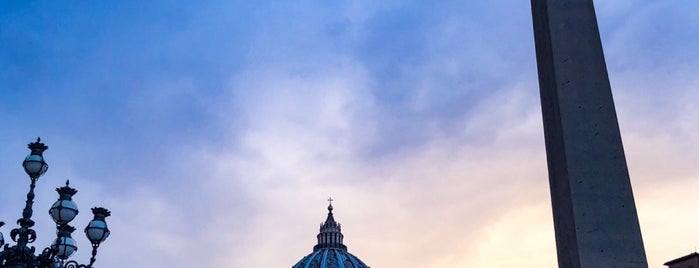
point(215, 130)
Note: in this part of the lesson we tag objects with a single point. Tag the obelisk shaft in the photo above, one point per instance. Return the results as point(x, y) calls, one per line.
point(595, 218)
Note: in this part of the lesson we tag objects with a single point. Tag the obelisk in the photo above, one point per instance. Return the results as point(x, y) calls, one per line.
point(595, 218)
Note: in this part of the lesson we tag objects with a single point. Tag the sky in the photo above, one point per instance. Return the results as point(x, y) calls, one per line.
point(215, 130)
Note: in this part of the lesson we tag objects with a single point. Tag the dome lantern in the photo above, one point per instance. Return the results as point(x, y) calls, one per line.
point(330, 251)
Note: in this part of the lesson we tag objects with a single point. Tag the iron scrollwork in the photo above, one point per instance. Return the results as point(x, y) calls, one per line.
point(74, 264)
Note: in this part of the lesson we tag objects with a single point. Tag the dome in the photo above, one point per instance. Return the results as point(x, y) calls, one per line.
point(330, 258)
point(330, 252)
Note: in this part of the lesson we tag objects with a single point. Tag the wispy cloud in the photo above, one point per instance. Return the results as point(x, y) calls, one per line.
point(215, 130)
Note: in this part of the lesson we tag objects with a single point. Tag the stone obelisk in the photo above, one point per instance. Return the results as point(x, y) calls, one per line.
point(595, 218)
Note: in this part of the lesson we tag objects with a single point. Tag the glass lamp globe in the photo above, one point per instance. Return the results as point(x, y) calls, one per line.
point(63, 211)
point(97, 231)
point(65, 247)
point(34, 165)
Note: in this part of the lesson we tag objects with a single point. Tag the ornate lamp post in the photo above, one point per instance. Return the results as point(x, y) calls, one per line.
point(64, 210)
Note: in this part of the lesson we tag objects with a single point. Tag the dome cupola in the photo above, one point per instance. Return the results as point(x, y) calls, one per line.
point(330, 235)
point(330, 252)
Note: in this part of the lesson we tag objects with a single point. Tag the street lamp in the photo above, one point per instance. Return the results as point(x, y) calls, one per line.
point(64, 210)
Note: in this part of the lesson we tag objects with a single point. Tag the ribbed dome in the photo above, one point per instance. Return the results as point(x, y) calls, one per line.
point(330, 252)
point(330, 258)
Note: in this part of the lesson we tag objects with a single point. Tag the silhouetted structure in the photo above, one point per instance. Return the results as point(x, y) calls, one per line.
point(330, 252)
point(63, 211)
point(594, 213)
point(689, 261)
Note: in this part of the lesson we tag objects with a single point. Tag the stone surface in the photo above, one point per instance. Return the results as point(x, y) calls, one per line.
point(595, 217)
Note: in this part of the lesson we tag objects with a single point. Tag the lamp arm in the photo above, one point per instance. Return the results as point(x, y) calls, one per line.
point(75, 264)
point(45, 259)
point(27, 212)
point(93, 258)
point(26, 234)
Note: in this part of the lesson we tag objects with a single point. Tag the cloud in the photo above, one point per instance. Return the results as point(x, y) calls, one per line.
point(304, 137)
point(215, 131)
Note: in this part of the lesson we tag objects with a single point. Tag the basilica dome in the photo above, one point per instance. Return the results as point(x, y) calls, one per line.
point(330, 252)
